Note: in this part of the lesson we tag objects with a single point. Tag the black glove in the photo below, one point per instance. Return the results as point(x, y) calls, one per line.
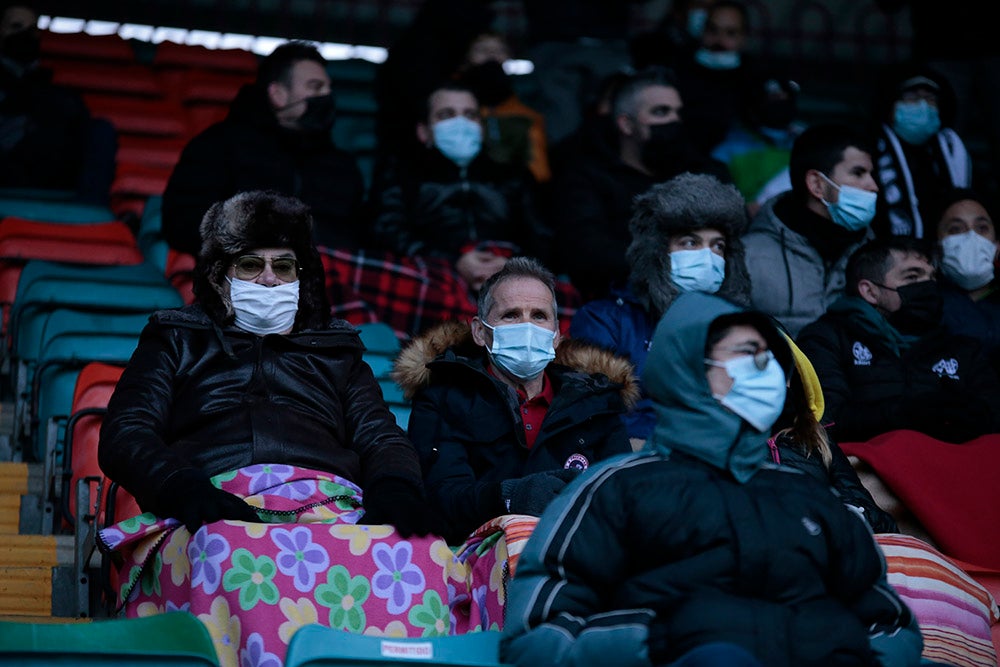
point(399, 503)
point(532, 493)
point(191, 498)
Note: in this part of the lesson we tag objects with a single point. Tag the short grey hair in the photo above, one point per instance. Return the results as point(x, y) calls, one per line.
point(626, 101)
point(516, 267)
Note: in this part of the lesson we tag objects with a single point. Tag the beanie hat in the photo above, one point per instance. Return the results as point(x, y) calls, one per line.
point(259, 219)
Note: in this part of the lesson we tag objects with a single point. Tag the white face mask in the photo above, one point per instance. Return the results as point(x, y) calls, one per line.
point(264, 310)
point(717, 59)
point(968, 259)
point(697, 270)
point(523, 350)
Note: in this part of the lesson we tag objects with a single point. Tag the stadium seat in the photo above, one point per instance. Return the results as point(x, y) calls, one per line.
point(175, 639)
point(136, 80)
point(57, 47)
point(381, 348)
point(322, 646)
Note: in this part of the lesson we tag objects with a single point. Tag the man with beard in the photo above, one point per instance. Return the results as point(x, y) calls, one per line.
point(592, 199)
point(885, 359)
point(277, 136)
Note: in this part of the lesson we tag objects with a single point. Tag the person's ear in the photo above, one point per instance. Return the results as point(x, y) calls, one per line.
point(626, 126)
point(479, 332)
point(424, 134)
point(816, 184)
point(558, 337)
point(868, 291)
point(277, 95)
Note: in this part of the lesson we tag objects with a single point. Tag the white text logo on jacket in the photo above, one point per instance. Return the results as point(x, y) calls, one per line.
point(947, 367)
point(862, 355)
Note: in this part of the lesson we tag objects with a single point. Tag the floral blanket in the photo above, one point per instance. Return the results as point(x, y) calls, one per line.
point(255, 584)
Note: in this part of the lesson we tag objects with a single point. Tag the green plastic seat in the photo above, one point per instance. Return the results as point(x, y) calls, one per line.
point(321, 646)
point(381, 349)
point(175, 639)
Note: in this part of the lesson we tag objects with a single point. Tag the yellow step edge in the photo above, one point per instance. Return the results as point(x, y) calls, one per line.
point(13, 478)
point(29, 551)
point(26, 591)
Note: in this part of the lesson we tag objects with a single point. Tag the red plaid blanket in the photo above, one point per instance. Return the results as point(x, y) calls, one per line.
point(409, 293)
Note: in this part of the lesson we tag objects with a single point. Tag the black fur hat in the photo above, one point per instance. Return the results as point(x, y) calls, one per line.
point(682, 204)
point(259, 219)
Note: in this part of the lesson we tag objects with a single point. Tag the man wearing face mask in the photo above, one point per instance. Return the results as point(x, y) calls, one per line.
point(505, 412)
point(917, 154)
point(798, 243)
point(966, 257)
point(454, 202)
point(592, 197)
point(885, 359)
point(278, 136)
point(685, 238)
point(255, 372)
point(48, 139)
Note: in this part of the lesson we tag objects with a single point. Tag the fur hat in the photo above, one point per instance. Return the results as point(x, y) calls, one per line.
point(259, 219)
point(685, 203)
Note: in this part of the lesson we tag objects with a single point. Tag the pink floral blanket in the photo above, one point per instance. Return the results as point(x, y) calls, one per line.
point(255, 584)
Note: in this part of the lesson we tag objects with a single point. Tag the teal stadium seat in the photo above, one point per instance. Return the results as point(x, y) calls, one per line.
point(382, 348)
point(321, 646)
point(175, 639)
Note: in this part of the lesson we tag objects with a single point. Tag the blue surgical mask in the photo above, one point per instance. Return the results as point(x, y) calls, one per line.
point(261, 309)
point(757, 395)
point(915, 122)
point(523, 349)
point(717, 59)
point(697, 270)
point(459, 139)
point(854, 208)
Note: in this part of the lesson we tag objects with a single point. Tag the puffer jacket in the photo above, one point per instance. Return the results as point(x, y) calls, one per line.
point(467, 427)
point(197, 395)
point(700, 539)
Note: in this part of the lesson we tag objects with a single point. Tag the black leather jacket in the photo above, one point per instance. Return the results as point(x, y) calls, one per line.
point(197, 395)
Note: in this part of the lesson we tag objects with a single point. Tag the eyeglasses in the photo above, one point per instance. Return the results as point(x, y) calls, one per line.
point(248, 267)
point(760, 359)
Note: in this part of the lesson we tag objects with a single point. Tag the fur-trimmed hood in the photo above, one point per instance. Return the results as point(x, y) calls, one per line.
point(411, 371)
point(682, 204)
point(259, 219)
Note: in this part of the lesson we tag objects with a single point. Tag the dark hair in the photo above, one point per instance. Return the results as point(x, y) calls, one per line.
point(822, 147)
point(516, 267)
point(874, 259)
point(946, 198)
point(625, 99)
point(277, 66)
point(763, 323)
point(733, 4)
point(447, 85)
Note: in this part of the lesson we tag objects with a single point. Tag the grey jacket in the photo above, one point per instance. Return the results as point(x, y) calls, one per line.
point(788, 278)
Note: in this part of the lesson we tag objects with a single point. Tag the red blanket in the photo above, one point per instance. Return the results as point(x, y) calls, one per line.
point(951, 489)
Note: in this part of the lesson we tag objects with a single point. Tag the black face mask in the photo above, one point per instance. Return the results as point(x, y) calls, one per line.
point(667, 149)
point(21, 47)
point(489, 83)
point(320, 114)
point(920, 308)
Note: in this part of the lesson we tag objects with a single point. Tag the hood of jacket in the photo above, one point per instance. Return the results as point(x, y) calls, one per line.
point(411, 371)
point(689, 418)
point(683, 204)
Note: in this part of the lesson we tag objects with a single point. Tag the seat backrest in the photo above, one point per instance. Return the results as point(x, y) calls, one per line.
point(381, 349)
point(110, 242)
point(176, 638)
point(54, 211)
point(321, 646)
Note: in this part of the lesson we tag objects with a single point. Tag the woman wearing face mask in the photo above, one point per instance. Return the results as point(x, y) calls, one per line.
point(967, 254)
point(714, 555)
point(673, 250)
point(917, 154)
point(505, 413)
point(255, 372)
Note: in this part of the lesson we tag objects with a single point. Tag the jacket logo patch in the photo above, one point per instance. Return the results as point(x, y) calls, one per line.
point(946, 367)
point(862, 355)
point(577, 461)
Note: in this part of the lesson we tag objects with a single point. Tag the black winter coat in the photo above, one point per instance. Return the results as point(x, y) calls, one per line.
point(943, 385)
point(467, 427)
point(250, 151)
point(197, 396)
point(433, 208)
